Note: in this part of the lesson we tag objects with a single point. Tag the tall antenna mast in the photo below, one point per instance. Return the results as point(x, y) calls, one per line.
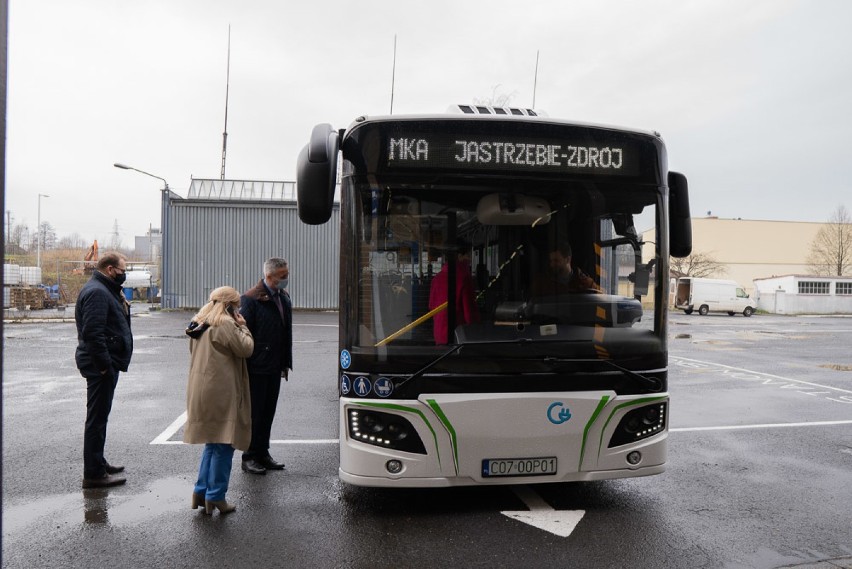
point(393, 72)
point(535, 79)
point(227, 89)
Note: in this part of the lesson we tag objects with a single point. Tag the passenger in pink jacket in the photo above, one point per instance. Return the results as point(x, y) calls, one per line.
point(466, 309)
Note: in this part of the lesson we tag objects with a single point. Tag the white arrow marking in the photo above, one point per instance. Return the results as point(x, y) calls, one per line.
point(543, 516)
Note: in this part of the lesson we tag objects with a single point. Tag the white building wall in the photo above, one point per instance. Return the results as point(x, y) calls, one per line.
point(780, 295)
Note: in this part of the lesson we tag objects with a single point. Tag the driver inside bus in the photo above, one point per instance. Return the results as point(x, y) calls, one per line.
point(562, 277)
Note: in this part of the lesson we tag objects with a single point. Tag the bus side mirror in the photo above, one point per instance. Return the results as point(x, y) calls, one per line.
point(316, 175)
point(680, 222)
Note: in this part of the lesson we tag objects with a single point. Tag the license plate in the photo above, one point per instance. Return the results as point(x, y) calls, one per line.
point(518, 466)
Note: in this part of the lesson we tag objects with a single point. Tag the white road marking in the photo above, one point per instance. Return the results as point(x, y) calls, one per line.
point(171, 430)
point(542, 515)
point(759, 373)
point(765, 426)
point(305, 442)
point(163, 438)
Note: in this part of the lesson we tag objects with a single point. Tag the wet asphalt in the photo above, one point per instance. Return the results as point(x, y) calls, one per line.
point(760, 456)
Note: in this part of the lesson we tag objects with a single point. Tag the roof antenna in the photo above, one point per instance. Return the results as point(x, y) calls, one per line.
point(227, 89)
point(535, 79)
point(393, 72)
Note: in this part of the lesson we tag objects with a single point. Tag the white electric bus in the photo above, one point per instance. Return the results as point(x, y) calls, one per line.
point(549, 363)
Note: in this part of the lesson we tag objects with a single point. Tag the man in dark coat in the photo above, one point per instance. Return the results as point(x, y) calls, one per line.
point(268, 313)
point(104, 348)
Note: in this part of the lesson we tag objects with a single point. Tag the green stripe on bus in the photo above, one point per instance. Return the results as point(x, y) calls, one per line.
point(601, 404)
point(443, 417)
point(410, 410)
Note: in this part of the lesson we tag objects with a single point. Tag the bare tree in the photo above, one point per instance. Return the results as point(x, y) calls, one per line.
point(696, 265)
point(496, 99)
point(72, 241)
point(831, 249)
point(19, 239)
point(47, 235)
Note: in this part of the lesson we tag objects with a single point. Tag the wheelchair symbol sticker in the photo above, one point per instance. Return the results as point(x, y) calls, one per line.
point(345, 385)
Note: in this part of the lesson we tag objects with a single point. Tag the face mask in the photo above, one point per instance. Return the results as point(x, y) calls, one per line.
point(282, 284)
point(119, 279)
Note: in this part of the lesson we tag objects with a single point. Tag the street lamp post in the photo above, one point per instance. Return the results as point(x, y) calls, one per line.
point(38, 231)
point(163, 223)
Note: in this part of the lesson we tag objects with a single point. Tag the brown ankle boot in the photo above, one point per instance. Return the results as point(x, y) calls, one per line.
point(223, 506)
point(197, 500)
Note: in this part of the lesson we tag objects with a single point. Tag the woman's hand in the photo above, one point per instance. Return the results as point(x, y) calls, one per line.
point(239, 318)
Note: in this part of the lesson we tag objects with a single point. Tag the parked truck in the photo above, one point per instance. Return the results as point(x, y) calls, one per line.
point(712, 295)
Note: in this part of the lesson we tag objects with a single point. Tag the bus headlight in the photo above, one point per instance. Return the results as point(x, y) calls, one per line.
point(640, 424)
point(384, 430)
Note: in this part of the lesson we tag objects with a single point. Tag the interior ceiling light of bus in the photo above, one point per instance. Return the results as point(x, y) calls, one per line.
point(489, 110)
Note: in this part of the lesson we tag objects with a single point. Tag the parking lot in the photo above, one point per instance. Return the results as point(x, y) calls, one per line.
point(760, 451)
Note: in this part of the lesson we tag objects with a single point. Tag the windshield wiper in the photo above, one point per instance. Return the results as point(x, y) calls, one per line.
point(652, 383)
point(453, 350)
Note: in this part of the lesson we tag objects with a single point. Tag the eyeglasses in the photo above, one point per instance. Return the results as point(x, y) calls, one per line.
point(122, 270)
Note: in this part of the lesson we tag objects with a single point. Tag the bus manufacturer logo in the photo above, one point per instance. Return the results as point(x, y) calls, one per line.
point(557, 413)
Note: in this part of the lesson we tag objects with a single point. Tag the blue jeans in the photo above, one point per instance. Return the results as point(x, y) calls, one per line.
point(215, 471)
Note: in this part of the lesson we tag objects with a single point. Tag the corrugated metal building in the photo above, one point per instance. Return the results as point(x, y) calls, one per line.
point(221, 233)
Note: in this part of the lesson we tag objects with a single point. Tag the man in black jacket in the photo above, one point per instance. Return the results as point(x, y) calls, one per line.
point(268, 313)
point(104, 348)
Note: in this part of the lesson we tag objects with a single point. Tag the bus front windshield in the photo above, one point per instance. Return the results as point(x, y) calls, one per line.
point(514, 265)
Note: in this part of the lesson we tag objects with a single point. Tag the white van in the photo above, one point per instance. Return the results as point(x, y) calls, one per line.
point(712, 295)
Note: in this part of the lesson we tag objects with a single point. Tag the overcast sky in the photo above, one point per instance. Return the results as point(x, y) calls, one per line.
point(753, 98)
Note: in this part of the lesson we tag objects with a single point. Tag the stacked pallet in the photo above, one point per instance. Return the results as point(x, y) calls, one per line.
point(31, 298)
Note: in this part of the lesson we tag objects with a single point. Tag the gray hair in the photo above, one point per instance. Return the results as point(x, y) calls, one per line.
point(273, 264)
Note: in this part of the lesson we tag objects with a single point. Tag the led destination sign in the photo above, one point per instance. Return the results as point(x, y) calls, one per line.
point(453, 153)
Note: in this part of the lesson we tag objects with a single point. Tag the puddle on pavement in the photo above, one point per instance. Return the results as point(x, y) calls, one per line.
point(118, 506)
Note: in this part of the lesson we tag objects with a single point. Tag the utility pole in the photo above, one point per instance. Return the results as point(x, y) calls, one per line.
point(535, 78)
point(227, 88)
point(393, 73)
point(38, 231)
point(116, 237)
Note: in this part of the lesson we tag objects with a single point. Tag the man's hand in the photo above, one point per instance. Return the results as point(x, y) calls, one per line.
point(284, 374)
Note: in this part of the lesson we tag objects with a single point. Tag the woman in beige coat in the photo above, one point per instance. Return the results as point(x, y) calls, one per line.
point(218, 402)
